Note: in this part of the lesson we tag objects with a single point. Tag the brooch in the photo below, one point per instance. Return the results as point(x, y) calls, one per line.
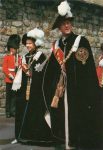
point(82, 54)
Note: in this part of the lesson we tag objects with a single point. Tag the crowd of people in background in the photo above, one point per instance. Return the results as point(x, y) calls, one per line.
point(56, 100)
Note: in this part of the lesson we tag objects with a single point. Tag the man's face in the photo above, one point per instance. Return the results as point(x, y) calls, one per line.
point(65, 27)
point(13, 51)
point(30, 45)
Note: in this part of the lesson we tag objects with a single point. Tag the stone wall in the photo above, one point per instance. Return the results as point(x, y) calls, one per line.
point(20, 16)
point(96, 2)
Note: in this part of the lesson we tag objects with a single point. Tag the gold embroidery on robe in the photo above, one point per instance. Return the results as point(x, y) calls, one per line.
point(82, 54)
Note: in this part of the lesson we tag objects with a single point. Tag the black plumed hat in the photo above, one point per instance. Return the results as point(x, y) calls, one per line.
point(36, 35)
point(64, 13)
point(25, 38)
point(60, 19)
point(13, 41)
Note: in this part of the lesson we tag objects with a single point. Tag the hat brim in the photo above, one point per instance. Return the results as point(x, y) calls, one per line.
point(25, 38)
point(59, 20)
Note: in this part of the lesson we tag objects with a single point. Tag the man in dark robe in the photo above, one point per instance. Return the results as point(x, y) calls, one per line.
point(83, 107)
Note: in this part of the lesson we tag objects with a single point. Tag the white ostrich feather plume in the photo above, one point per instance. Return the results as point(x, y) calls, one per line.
point(36, 34)
point(39, 42)
point(101, 63)
point(64, 9)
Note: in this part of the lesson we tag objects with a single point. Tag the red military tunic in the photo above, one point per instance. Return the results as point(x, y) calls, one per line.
point(99, 70)
point(9, 66)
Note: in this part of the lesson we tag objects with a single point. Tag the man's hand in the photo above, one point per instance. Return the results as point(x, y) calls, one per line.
point(11, 76)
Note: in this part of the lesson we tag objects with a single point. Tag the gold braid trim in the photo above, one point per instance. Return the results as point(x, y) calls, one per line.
point(68, 56)
point(59, 92)
point(28, 89)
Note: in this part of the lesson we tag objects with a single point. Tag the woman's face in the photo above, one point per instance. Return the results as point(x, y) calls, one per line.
point(30, 45)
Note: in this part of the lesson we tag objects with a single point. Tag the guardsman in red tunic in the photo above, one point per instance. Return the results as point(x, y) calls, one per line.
point(99, 68)
point(11, 62)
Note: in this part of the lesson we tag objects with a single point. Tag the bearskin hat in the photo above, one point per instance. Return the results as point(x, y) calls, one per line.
point(13, 41)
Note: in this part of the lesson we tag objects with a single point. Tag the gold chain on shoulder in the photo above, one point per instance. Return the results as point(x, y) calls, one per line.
point(68, 56)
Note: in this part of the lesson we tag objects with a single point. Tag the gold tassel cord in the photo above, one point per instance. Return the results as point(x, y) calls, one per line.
point(59, 92)
point(68, 56)
point(28, 90)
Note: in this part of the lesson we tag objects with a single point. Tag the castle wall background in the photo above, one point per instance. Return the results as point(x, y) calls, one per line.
point(20, 16)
